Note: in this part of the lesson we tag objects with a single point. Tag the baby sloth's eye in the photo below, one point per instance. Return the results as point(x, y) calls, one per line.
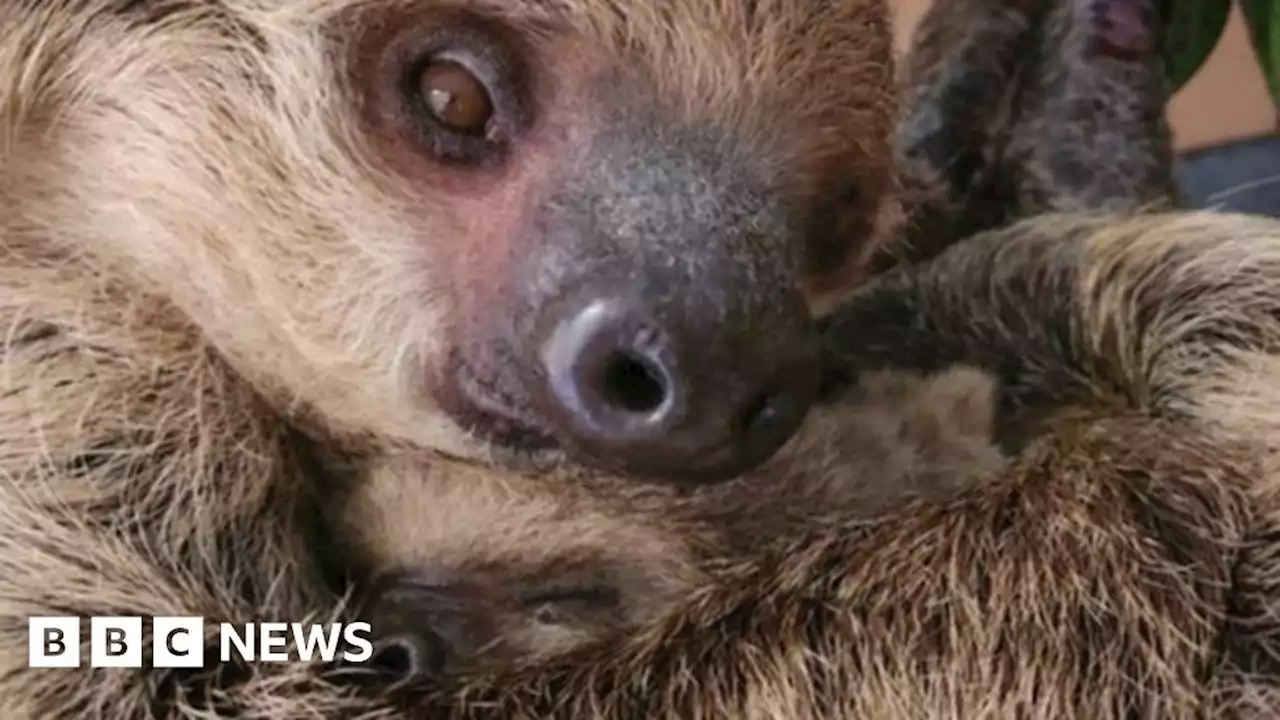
point(456, 98)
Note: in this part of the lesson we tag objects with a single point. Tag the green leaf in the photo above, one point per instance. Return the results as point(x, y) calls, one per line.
point(1264, 29)
point(1191, 31)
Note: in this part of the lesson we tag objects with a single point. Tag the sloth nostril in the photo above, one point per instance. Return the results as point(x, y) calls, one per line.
point(632, 384)
point(406, 656)
point(757, 415)
point(393, 659)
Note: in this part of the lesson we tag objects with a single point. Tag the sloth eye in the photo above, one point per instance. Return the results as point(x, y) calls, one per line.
point(456, 98)
point(468, 101)
point(457, 90)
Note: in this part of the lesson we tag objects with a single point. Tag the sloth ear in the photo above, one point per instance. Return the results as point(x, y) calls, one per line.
point(1008, 112)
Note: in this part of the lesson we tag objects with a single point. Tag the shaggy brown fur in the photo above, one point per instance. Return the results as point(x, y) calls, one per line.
point(221, 241)
point(1123, 565)
point(217, 250)
point(1007, 105)
point(481, 567)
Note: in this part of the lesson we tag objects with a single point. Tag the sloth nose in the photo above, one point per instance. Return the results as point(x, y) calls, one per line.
point(668, 397)
point(405, 656)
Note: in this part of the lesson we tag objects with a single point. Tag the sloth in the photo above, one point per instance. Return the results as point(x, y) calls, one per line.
point(248, 243)
point(240, 237)
point(480, 582)
point(479, 569)
point(1116, 556)
point(1125, 355)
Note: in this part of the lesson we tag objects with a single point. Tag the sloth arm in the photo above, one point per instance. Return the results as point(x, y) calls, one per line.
point(1125, 565)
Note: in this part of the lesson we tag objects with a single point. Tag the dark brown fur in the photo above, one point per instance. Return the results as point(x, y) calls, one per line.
point(484, 568)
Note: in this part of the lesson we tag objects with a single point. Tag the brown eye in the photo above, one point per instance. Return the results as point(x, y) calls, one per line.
point(456, 98)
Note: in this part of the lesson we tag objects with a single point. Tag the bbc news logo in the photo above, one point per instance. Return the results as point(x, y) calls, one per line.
point(179, 642)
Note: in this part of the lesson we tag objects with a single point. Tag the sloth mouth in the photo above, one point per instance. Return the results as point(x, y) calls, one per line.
point(484, 411)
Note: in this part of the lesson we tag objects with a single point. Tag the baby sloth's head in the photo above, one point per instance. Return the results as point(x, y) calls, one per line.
point(465, 569)
point(463, 566)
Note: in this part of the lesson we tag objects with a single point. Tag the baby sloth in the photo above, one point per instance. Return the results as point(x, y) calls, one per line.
point(472, 569)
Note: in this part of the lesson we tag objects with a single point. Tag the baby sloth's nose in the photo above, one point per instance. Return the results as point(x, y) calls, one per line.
point(409, 656)
point(650, 390)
